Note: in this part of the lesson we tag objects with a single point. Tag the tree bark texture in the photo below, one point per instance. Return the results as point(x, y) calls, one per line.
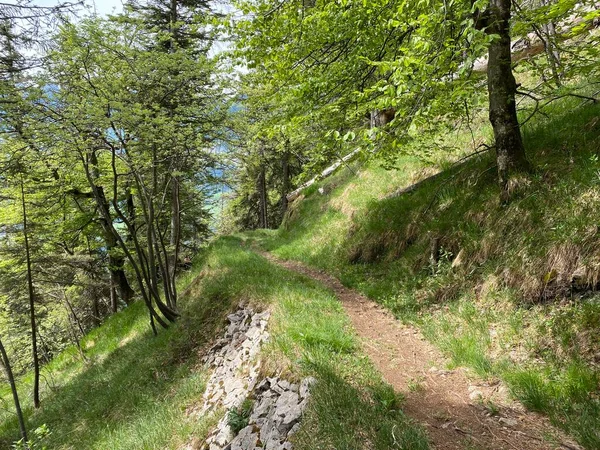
point(175, 239)
point(502, 88)
point(285, 184)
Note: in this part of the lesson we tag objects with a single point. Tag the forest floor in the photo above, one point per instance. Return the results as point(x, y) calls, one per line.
point(457, 410)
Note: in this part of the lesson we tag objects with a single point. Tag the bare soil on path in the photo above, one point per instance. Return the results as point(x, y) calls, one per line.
point(458, 410)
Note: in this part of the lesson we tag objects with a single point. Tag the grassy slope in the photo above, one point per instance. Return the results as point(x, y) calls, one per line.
point(132, 391)
point(136, 389)
point(507, 310)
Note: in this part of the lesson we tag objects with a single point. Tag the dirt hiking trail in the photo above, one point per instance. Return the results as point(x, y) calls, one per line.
point(450, 404)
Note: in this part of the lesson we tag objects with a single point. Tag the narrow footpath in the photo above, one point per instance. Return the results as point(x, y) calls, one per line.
point(454, 407)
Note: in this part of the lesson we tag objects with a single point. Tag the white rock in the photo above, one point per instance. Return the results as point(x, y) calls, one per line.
point(278, 403)
point(246, 439)
point(476, 395)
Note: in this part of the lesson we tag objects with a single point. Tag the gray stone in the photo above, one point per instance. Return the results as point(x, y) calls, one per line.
point(286, 402)
point(263, 386)
point(293, 430)
point(305, 386)
point(246, 439)
point(278, 404)
point(285, 385)
point(273, 443)
point(262, 409)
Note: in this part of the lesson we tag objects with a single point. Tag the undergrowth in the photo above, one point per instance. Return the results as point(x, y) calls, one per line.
point(132, 390)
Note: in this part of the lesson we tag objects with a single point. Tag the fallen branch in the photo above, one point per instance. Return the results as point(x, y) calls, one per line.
point(326, 173)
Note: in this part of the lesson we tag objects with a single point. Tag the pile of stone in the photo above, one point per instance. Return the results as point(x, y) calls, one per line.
point(277, 405)
point(276, 414)
point(234, 359)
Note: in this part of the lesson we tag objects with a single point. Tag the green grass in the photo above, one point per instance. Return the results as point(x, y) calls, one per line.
point(507, 311)
point(133, 391)
point(136, 389)
point(351, 406)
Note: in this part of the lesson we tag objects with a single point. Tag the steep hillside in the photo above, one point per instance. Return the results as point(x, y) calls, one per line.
point(509, 291)
point(128, 390)
point(506, 291)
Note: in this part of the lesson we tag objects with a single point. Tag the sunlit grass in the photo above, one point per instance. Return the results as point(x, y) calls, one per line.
point(500, 312)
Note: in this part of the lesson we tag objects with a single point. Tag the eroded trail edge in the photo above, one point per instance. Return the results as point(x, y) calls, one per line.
point(454, 407)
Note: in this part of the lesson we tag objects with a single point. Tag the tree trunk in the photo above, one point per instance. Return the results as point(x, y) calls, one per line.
point(13, 388)
point(262, 198)
point(380, 118)
point(285, 185)
point(90, 163)
point(502, 88)
point(74, 320)
point(130, 211)
point(261, 186)
point(175, 239)
point(114, 301)
point(549, 31)
point(116, 264)
point(31, 293)
point(95, 308)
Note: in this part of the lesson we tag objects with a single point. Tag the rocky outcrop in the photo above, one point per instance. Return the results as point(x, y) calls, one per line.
point(234, 358)
point(277, 405)
point(275, 417)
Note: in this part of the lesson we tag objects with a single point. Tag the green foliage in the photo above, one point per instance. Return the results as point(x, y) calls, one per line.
point(37, 443)
point(122, 111)
point(237, 418)
point(321, 75)
point(109, 405)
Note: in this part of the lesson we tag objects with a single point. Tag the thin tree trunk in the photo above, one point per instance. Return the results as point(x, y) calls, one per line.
point(73, 314)
point(13, 388)
point(74, 320)
point(262, 193)
point(116, 263)
point(114, 301)
point(549, 30)
point(502, 88)
point(130, 210)
point(31, 293)
point(175, 240)
point(98, 193)
point(95, 308)
point(285, 185)
point(148, 273)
